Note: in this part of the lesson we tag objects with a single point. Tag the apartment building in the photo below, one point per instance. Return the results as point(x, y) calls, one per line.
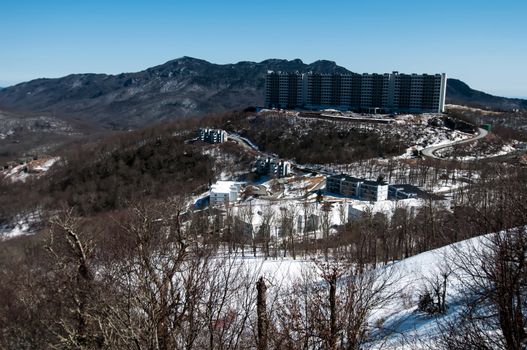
point(389, 92)
point(373, 191)
point(350, 186)
point(401, 192)
point(224, 192)
point(418, 92)
point(212, 135)
point(346, 91)
point(283, 90)
point(272, 167)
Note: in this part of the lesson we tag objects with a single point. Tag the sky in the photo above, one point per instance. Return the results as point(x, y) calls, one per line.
point(483, 43)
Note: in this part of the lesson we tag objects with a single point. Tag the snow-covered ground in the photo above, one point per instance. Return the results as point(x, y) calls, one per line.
point(16, 173)
point(505, 149)
point(20, 226)
point(433, 138)
point(44, 166)
point(409, 327)
point(296, 197)
point(22, 172)
point(405, 327)
point(472, 109)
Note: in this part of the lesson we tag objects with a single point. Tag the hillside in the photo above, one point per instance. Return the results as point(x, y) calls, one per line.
point(138, 202)
point(460, 93)
point(182, 87)
point(185, 86)
point(28, 135)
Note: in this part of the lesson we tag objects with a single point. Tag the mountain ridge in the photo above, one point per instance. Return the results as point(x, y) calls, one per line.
point(184, 86)
point(459, 92)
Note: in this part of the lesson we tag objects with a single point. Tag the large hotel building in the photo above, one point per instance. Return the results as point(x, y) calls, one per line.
point(389, 92)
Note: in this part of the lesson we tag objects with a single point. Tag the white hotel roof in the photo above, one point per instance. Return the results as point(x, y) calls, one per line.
point(223, 186)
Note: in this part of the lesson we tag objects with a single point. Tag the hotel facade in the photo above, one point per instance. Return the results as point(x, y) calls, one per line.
point(389, 92)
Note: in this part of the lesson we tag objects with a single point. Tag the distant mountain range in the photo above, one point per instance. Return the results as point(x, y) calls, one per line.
point(181, 87)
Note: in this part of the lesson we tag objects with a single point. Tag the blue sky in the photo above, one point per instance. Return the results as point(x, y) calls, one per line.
point(481, 42)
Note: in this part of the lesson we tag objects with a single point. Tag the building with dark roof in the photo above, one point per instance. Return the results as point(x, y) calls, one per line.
point(272, 167)
point(388, 92)
point(283, 90)
point(401, 192)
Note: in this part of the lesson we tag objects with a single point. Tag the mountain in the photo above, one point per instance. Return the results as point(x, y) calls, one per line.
point(458, 92)
point(182, 87)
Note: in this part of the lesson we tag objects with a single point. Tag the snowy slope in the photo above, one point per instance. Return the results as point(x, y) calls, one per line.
point(412, 328)
point(404, 327)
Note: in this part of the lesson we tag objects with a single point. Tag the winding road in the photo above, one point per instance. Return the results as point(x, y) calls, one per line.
point(242, 141)
point(430, 151)
point(427, 152)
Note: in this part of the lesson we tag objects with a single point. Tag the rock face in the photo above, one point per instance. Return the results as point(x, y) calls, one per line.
point(182, 87)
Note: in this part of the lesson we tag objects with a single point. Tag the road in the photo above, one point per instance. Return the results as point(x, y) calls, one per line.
point(242, 141)
point(430, 151)
point(427, 152)
point(247, 144)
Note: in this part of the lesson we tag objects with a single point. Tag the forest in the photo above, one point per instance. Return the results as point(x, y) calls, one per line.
point(120, 262)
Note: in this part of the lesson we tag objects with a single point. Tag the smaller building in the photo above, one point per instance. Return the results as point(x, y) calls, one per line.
point(374, 191)
point(224, 192)
point(272, 167)
point(212, 135)
point(255, 191)
point(350, 186)
point(401, 192)
point(333, 183)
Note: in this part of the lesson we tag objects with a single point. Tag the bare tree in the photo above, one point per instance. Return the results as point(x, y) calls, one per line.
point(325, 223)
point(243, 226)
point(73, 253)
point(336, 313)
point(288, 216)
point(309, 224)
point(264, 232)
point(433, 295)
point(493, 276)
point(261, 309)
